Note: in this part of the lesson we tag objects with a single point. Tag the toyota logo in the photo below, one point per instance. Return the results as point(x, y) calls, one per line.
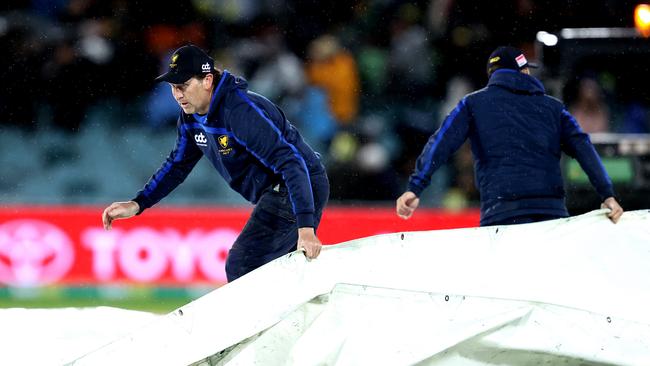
point(33, 252)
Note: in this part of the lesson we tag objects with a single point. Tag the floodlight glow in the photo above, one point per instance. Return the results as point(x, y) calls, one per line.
point(547, 39)
point(642, 19)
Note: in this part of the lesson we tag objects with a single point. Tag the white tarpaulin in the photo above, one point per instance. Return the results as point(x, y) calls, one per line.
point(51, 337)
point(569, 291)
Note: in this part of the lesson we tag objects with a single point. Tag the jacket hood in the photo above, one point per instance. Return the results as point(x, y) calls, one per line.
point(516, 81)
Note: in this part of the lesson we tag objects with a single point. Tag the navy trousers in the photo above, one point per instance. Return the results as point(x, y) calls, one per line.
point(272, 231)
point(525, 219)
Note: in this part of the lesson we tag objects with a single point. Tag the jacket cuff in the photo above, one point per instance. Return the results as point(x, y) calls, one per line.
point(415, 189)
point(305, 219)
point(142, 202)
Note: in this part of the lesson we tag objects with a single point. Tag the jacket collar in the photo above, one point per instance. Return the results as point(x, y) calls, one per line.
point(516, 81)
point(226, 83)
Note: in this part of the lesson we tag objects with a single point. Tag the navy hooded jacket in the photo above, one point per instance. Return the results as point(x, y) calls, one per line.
point(249, 141)
point(517, 134)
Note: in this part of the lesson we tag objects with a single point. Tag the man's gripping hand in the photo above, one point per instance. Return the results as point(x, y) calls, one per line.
point(308, 242)
point(119, 210)
point(406, 204)
point(616, 209)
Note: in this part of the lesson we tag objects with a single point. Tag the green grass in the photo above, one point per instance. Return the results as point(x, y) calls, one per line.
point(159, 306)
point(158, 300)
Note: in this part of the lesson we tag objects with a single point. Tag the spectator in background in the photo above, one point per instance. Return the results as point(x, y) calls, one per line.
point(360, 166)
point(589, 107)
point(411, 59)
point(517, 135)
point(333, 69)
point(310, 110)
point(281, 73)
point(70, 79)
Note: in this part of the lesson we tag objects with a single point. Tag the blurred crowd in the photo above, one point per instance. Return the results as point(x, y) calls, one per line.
point(366, 82)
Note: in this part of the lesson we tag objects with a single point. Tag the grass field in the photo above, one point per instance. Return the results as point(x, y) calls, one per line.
point(158, 300)
point(152, 305)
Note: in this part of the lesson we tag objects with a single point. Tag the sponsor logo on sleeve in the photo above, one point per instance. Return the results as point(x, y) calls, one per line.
point(200, 139)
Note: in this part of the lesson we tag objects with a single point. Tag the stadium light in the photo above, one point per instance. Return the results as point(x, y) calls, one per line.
point(642, 19)
point(547, 39)
point(597, 33)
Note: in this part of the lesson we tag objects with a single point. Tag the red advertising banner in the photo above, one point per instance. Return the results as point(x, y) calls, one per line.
point(164, 246)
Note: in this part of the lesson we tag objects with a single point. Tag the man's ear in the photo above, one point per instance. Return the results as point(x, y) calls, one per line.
point(208, 81)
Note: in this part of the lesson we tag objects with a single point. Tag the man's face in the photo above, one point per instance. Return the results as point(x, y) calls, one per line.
point(193, 96)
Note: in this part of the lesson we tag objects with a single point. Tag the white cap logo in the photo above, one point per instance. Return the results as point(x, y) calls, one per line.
point(205, 67)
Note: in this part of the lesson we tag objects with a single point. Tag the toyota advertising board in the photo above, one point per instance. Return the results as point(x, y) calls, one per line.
point(165, 246)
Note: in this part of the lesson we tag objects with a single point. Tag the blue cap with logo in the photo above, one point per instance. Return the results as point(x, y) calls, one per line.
point(186, 62)
point(507, 57)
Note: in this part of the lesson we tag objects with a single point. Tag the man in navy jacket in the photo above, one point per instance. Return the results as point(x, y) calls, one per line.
point(255, 149)
point(517, 134)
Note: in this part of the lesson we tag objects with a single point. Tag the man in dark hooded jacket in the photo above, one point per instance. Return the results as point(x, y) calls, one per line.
point(517, 134)
point(255, 149)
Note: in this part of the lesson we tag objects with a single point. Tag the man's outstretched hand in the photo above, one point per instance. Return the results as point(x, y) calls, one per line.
point(616, 209)
point(406, 204)
point(119, 210)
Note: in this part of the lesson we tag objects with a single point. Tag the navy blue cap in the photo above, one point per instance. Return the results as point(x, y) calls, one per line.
point(186, 62)
point(506, 57)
